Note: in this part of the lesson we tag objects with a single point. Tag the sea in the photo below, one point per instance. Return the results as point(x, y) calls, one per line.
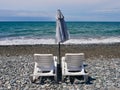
point(32, 33)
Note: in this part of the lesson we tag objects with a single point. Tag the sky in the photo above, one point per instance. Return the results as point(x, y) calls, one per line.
point(73, 10)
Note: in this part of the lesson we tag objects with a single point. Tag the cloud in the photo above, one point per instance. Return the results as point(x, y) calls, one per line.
point(24, 15)
point(108, 10)
point(75, 9)
point(44, 4)
point(54, 4)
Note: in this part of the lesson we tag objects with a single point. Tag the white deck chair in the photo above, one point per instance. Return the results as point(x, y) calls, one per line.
point(72, 65)
point(45, 65)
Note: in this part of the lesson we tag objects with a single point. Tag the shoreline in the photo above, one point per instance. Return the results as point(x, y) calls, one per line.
point(90, 50)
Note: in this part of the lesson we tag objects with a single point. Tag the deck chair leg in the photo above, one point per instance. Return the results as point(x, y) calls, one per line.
point(33, 78)
point(40, 79)
point(55, 77)
point(85, 78)
point(63, 78)
point(35, 72)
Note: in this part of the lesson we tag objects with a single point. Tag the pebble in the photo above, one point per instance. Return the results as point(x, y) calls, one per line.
point(26, 88)
point(16, 70)
point(97, 85)
point(8, 86)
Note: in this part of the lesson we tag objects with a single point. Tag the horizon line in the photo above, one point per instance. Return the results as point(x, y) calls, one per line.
point(51, 21)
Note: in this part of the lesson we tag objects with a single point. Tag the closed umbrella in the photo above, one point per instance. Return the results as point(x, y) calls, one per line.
point(62, 33)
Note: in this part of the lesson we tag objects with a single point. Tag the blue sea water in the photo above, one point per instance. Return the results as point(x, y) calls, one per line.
point(44, 32)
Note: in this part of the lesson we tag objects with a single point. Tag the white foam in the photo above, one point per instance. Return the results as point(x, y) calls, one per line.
point(30, 41)
point(27, 41)
point(94, 41)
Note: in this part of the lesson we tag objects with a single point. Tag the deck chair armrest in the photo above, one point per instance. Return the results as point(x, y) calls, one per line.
point(62, 62)
point(55, 61)
point(35, 65)
point(35, 68)
point(55, 64)
point(63, 65)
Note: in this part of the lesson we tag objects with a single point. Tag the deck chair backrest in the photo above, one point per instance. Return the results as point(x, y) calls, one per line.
point(74, 59)
point(44, 59)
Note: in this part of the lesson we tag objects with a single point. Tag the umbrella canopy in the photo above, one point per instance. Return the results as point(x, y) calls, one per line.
point(62, 33)
point(61, 29)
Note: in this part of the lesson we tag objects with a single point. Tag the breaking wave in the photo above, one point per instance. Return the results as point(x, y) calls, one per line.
point(36, 41)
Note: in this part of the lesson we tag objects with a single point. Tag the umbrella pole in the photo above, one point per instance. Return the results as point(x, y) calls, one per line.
point(59, 73)
point(59, 54)
point(58, 65)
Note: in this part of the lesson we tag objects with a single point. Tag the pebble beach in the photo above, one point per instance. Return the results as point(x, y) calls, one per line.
point(102, 63)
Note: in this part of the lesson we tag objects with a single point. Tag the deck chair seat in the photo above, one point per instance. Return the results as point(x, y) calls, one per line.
point(74, 68)
point(45, 68)
point(72, 65)
point(45, 65)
